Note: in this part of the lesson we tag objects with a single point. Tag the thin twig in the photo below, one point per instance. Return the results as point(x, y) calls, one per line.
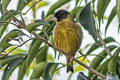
point(87, 67)
point(103, 43)
point(22, 18)
point(18, 46)
point(42, 39)
point(12, 16)
point(20, 23)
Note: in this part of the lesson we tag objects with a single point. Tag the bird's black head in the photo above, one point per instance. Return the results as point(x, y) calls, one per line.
point(61, 14)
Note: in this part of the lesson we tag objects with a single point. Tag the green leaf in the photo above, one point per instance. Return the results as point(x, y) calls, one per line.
point(8, 37)
point(56, 5)
point(96, 46)
point(2, 29)
point(93, 1)
point(42, 54)
point(1, 49)
point(5, 18)
point(118, 68)
point(81, 76)
point(4, 5)
point(33, 7)
point(11, 66)
point(1, 7)
point(50, 58)
point(118, 71)
point(16, 51)
point(48, 18)
point(8, 59)
point(98, 59)
point(4, 45)
point(33, 51)
point(118, 9)
point(79, 67)
point(38, 70)
point(37, 23)
point(74, 11)
point(76, 2)
point(87, 21)
point(22, 70)
point(101, 7)
point(11, 35)
point(42, 3)
point(49, 70)
point(21, 4)
point(104, 69)
point(50, 28)
point(113, 62)
point(111, 17)
point(78, 13)
point(119, 28)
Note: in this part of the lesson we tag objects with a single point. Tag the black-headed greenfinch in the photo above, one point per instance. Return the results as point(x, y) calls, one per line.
point(67, 36)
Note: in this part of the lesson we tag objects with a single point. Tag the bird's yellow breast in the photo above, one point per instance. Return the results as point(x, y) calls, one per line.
point(67, 36)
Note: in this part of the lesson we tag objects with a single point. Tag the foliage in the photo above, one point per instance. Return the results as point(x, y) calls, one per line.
point(37, 59)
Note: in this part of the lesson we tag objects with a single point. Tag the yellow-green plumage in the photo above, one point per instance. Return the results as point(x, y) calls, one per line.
point(67, 36)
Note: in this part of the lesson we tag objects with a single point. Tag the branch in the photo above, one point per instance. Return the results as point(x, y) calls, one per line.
point(42, 39)
point(87, 67)
point(103, 43)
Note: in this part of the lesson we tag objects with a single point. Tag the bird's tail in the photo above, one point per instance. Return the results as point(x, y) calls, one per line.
point(69, 65)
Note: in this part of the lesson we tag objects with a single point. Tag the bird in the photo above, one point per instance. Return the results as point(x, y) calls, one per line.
point(67, 36)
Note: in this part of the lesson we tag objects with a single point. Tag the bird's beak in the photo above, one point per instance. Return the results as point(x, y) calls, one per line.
point(54, 19)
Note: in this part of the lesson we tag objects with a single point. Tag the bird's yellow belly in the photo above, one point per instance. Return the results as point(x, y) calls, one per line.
point(67, 46)
point(67, 41)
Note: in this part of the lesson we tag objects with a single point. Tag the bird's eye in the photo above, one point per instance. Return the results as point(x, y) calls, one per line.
point(64, 16)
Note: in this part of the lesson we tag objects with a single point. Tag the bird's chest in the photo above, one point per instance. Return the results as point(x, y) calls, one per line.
point(63, 38)
point(62, 32)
